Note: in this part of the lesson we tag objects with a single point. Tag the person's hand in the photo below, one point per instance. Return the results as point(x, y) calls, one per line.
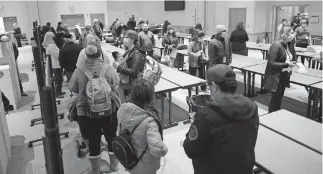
point(292, 64)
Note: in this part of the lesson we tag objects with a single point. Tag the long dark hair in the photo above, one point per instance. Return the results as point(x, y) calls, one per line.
point(240, 26)
point(198, 27)
point(165, 26)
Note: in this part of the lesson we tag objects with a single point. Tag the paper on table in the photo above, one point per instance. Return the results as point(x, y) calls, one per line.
point(301, 68)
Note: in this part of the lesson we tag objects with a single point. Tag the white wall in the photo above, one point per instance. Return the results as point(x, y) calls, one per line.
point(153, 11)
point(51, 11)
point(18, 9)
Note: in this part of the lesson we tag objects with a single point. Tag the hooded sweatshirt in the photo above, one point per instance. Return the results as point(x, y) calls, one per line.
point(226, 132)
point(92, 62)
point(147, 133)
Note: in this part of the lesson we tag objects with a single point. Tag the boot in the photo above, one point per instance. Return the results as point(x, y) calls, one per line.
point(83, 149)
point(96, 165)
point(113, 162)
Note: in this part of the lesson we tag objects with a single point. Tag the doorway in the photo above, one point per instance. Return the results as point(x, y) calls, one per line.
point(236, 15)
point(72, 20)
point(99, 16)
point(8, 23)
point(285, 12)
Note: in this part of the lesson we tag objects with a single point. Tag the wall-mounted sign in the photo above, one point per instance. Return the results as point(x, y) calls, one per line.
point(314, 19)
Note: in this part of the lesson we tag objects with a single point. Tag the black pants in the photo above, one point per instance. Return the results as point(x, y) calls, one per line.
point(277, 97)
point(93, 127)
point(58, 78)
point(201, 70)
point(20, 84)
point(18, 41)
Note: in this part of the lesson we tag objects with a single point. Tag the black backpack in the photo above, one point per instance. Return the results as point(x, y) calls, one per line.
point(123, 148)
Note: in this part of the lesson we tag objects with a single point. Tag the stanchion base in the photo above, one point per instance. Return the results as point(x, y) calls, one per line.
point(30, 143)
point(170, 125)
point(33, 121)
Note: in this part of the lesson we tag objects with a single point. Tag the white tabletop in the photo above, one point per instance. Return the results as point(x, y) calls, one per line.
point(180, 78)
point(317, 85)
point(239, 61)
point(310, 72)
point(165, 86)
point(283, 156)
point(296, 127)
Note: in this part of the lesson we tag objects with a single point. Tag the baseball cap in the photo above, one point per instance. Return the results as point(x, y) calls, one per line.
point(221, 74)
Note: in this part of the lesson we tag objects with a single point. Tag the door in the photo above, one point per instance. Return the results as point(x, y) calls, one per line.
point(236, 15)
point(8, 23)
point(72, 20)
point(99, 16)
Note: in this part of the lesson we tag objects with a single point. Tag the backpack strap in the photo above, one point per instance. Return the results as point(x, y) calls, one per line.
point(103, 70)
point(87, 73)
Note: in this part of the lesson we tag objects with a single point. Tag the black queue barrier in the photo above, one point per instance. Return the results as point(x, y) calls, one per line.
point(43, 81)
point(38, 60)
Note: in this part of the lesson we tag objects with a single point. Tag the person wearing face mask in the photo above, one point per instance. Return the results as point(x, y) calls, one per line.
point(223, 136)
point(196, 56)
point(219, 48)
point(170, 43)
point(281, 58)
point(303, 36)
point(147, 41)
point(133, 60)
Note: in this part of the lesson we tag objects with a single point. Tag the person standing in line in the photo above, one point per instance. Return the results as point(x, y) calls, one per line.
point(281, 60)
point(147, 137)
point(53, 51)
point(17, 34)
point(93, 123)
point(197, 56)
point(133, 61)
point(16, 53)
point(303, 37)
point(147, 41)
point(82, 40)
point(238, 39)
point(60, 27)
point(165, 27)
point(97, 29)
point(281, 27)
point(170, 42)
point(198, 27)
point(50, 28)
point(68, 55)
point(219, 48)
point(223, 135)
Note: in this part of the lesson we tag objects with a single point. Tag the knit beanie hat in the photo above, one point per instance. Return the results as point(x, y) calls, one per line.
point(93, 50)
point(220, 28)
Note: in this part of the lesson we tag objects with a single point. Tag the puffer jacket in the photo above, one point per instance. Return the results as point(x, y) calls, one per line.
point(53, 51)
point(276, 62)
point(79, 81)
point(219, 48)
point(134, 65)
point(147, 133)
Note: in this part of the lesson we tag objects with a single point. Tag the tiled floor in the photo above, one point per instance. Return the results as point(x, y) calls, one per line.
point(32, 160)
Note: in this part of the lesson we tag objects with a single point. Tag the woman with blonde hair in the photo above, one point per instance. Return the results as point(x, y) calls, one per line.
point(281, 59)
point(52, 50)
point(170, 43)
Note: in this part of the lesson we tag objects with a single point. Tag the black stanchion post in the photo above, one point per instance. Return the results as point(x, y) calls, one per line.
point(51, 141)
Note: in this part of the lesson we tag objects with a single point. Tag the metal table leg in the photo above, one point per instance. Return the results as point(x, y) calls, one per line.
point(189, 108)
point(245, 82)
point(170, 123)
point(309, 103)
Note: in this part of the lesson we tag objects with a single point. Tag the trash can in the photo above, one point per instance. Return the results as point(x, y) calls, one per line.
point(198, 101)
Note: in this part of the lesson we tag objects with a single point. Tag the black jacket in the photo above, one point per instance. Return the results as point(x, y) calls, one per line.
point(68, 56)
point(135, 63)
point(223, 136)
point(238, 39)
point(276, 62)
point(131, 24)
